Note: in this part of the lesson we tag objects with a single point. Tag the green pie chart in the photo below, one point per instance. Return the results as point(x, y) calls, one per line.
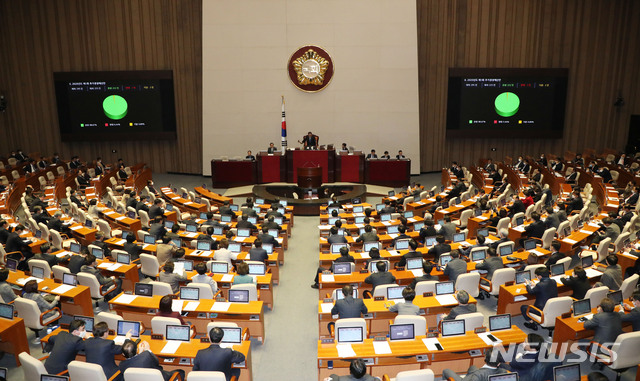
point(507, 104)
point(115, 107)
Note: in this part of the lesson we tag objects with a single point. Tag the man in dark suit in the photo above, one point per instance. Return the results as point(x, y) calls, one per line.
point(381, 277)
point(439, 248)
point(218, 359)
point(257, 253)
point(84, 180)
point(546, 289)
point(455, 267)
point(274, 211)
point(490, 166)
point(144, 358)
point(131, 247)
point(15, 243)
point(606, 323)
point(42, 164)
point(156, 209)
point(516, 207)
point(368, 236)
point(555, 256)
point(575, 203)
point(462, 308)
point(457, 171)
point(4, 233)
point(55, 223)
point(39, 216)
point(348, 306)
point(633, 199)
point(524, 362)
point(428, 230)
point(248, 210)
point(448, 229)
point(265, 237)
point(387, 208)
point(90, 266)
point(132, 201)
point(45, 255)
point(31, 167)
point(73, 197)
point(344, 257)
point(310, 141)
point(100, 237)
point(634, 312)
point(536, 228)
point(426, 275)
point(157, 228)
point(272, 148)
point(491, 264)
point(479, 374)
point(553, 219)
point(100, 350)
point(372, 155)
point(225, 209)
point(611, 230)
point(334, 237)
point(272, 224)
point(413, 245)
point(357, 372)
point(64, 347)
point(141, 205)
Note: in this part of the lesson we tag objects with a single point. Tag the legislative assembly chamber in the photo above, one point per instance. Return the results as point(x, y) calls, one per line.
point(256, 190)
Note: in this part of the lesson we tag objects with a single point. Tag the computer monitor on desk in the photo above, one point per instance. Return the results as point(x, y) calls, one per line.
point(569, 372)
point(70, 279)
point(74, 247)
point(232, 336)
point(482, 232)
point(37, 272)
point(88, 322)
point(529, 244)
point(429, 241)
point(401, 332)
point(235, 247)
point(521, 276)
point(52, 377)
point(349, 335)
point(445, 288)
point(458, 237)
point(414, 263)
point(219, 267)
point(367, 246)
point(504, 377)
point(125, 326)
point(239, 296)
point(178, 333)
point(340, 295)
point(257, 269)
point(6, 311)
point(587, 261)
point(393, 229)
point(203, 245)
point(149, 239)
point(506, 250)
point(557, 269)
point(581, 307)
point(499, 322)
point(244, 232)
point(402, 244)
point(478, 255)
point(218, 230)
point(616, 296)
point(444, 259)
point(189, 293)
point(342, 268)
point(358, 209)
point(143, 289)
point(395, 292)
point(335, 247)
point(452, 328)
point(98, 253)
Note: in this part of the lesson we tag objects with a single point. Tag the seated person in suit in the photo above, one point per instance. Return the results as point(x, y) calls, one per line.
point(244, 223)
point(439, 248)
point(91, 266)
point(368, 236)
point(428, 230)
point(225, 209)
point(334, 237)
point(242, 275)
point(426, 271)
point(16, 243)
point(462, 308)
point(611, 230)
point(202, 277)
point(102, 244)
point(40, 216)
point(556, 255)
point(309, 141)
point(173, 234)
point(357, 371)
point(142, 205)
point(633, 316)
point(400, 155)
point(173, 279)
point(64, 347)
point(381, 277)
point(164, 309)
point(491, 264)
point(257, 253)
point(165, 250)
point(131, 247)
point(102, 351)
point(413, 245)
point(348, 306)
point(272, 148)
point(536, 228)
point(250, 156)
point(30, 291)
point(372, 155)
point(385, 155)
point(546, 289)
point(140, 356)
point(578, 282)
point(407, 307)
point(265, 237)
point(45, 255)
point(156, 209)
point(77, 261)
point(612, 275)
point(474, 373)
point(217, 359)
point(157, 228)
point(524, 361)
point(6, 291)
point(84, 180)
point(456, 267)
point(55, 223)
point(344, 257)
point(606, 323)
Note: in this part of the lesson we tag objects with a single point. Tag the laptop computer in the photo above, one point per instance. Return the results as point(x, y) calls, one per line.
point(52, 377)
point(203, 245)
point(393, 229)
point(75, 247)
point(349, 335)
point(417, 226)
point(557, 269)
point(6, 311)
point(452, 328)
point(581, 307)
point(190, 228)
point(506, 250)
point(444, 259)
point(429, 241)
point(499, 322)
point(225, 218)
point(98, 253)
point(367, 246)
point(89, 224)
point(341, 268)
point(232, 336)
point(587, 261)
point(458, 237)
point(522, 275)
point(358, 209)
point(235, 247)
point(37, 272)
point(11, 264)
point(143, 289)
point(219, 267)
point(189, 293)
point(529, 244)
point(402, 244)
point(359, 219)
point(478, 255)
point(395, 292)
point(177, 242)
point(234, 207)
point(239, 296)
point(414, 264)
point(168, 224)
point(70, 279)
point(268, 247)
point(244, 232)
point(123, 258)
point(385, 217)
point(335, 247)
point(569, 372)
point(340, 295)
point(616, 296)
point(408, 214)
point(504, 377)
point(519, 221)
point(257, 269)
point(445, 288)
point(178, 333)
point(88, 322)
point(151, 240)
point(401, 332)
point(218, 230)
point(482, 232)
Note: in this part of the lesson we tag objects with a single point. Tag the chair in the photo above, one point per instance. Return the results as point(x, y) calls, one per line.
point(561, 229)
point(51, 177)
point(95, 288)
point(566, 261)
point(253, 290)
point(352, 322)
point(207, 376)
point(32, 367)
point(515, 218)
point(144, 218)
point(40, 263)
point(412, 375)
point(603, 249)
point(372, 264)
point(59, 271)
point(58, 242)
point(554, 308)
point(110, 318)
point(382, 290)
point(407, 200)
point(506, 244)
point(150, 265)
point(532, 269)
point(105, 228)
point(464, 217)
point(425, 286)
point(469, 282)
point(15, 174)
point(628, 285)
point(419, 323)
point(161, 288)
point(42, 181)
point(547, 238)
point(34, 319)
point(500, 277)
point(472, 321)
point(79, 370)
point(596, 295)
point(625, 349)
point(60, 170)
point(205, 290)
point(141, 234)
point(144, 374)
point(619, 242)
point(159, 324)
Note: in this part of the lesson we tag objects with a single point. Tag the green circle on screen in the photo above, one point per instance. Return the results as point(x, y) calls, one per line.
point(115, 107)
point(507, 104)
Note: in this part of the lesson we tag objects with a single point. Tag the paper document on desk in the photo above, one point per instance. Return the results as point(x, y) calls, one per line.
point(77, 227)
point(23, 281)
point(178, 267)
point(191, 306)
point(176, 305)
point(570, 241)
point(536, 252)
point(592, 273)
point(171, 347)
point(386, 223)
point(393, 236)
point(446, 300)
point(328, 278)
point(417, 272)
point(220, 306)
point(326, 307)
point(121, 218)
point(482, 218)
point(587, 232)
point(192, 235)
point(381, 347)
point(519, 228)
point(125, 299)
point(205, 253)
point(227, 278)
point(120, 242)
point(62, 289)
point(345, 350)
point(239, 239)
point(485, 337)
point(411, 219)
point(364, 255)
point(519, 298)
point(594, 225)
point(114, 266)
point(430, 343)
point(394, 253)
point(63, 253)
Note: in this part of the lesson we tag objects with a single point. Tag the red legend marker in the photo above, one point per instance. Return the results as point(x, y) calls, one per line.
point(495, 122)
point(106, 124)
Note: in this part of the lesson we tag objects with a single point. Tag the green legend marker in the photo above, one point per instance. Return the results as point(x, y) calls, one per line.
point(115, 107)
point(507, 104)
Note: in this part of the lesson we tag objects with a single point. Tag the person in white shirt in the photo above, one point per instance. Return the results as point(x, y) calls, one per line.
point(202, 277)
point(224, 254)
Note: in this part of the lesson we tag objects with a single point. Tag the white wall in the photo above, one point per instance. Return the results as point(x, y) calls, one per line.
point(371, 102)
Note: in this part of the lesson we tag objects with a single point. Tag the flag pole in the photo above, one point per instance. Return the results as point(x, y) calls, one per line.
point(284, 129)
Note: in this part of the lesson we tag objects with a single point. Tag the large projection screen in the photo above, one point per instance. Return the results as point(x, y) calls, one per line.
point(371, 102)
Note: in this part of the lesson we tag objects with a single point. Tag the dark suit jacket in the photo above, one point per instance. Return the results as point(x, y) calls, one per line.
point(455, 268)
point(142, 206)
point(4, 234)
point(460, 310)
point(64, 347)
point(543, 291)
point(377, 279)
point(76, 201)
point(423, 278)
point(102, 351)
point(490, 265)
point(336, 238)
point(217, 359)
point(56, 225)
point(579, 287)
point(75, 263)
point(15, 243)
point(52, 260)
point(145, 360)
point(535, 229)
point(412, 254)
point(524, 365)
point(155, 211)
point(607, 326)
point(633, 317)
point(41, 218)
point(268, 238)
point(349, 307)
point(157, 230)
point(554, 258)
point(427, 232)
point(633, 199)
point(258, 254)
point(552, 221)
point(103, 245)
point(438, 249)
point(131, 202)
point(133, 250)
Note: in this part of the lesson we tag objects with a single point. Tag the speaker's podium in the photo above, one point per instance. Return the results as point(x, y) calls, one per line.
point(310, 177)
point(303, 160)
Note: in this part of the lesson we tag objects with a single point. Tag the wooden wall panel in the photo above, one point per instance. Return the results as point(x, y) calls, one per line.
point(40, 37)
point(597, 40)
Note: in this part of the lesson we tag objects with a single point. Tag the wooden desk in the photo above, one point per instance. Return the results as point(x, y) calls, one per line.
point(214, 198)
point(350, 167)
point(232, 173)
point(392, 173)
point(246, 315)
point(301, 158)
point(183, 203)
point(13, 337)
point(76, 301)
point(271, 167)
point(379, 315)
point(409, 355)
point(121, 220)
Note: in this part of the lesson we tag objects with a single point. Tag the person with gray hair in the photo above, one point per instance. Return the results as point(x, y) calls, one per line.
point(503, 234)
point(56, 224)
point(463, 306)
